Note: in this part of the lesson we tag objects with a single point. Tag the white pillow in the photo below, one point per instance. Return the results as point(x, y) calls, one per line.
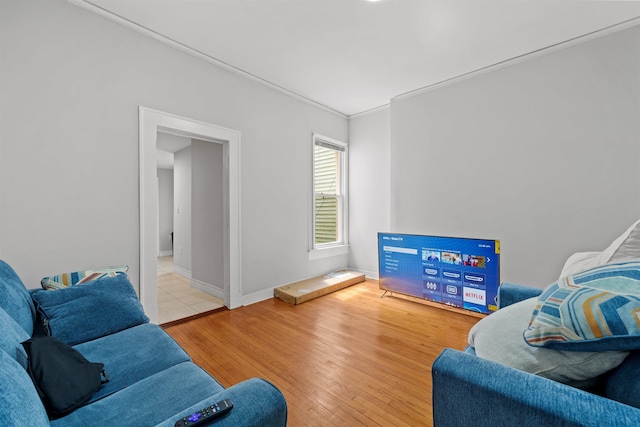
point(498, 337)
point(579, 262)
point(624, 248)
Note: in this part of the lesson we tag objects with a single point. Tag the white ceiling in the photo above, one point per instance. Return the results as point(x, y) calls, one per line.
point(355, 55)
point(166, 145)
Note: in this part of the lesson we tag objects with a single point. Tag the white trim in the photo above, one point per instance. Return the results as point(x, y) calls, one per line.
point(207, 288)
point(196, 53)
point(266, 294)
point(150, 121)
point(258, 296)
point(87, 5)
point(181, 271)
point(374, 275)
point(328, 251)
point(521, 58)
point(369, 111)
point(343, 215)
point(165, 253)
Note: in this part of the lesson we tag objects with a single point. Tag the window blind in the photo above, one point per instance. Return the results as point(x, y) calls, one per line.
point(330, 145)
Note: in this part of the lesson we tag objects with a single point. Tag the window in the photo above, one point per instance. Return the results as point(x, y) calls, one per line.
point(329, 193)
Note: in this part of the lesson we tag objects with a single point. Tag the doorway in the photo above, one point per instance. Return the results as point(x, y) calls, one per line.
point(150, 123)
point(190, 213)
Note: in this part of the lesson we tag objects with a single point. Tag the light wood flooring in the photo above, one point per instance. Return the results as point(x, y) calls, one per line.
point(349, 358)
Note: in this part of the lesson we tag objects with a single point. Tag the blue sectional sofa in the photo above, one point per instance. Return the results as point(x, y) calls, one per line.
point(153, 382)
point(469, 390)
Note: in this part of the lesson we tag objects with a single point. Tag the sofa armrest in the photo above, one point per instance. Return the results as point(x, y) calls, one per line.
point(468, 390)
point(510, 293)
point(256, 403)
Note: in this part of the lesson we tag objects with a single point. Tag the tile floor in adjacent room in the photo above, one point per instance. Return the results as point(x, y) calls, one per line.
point(176, 298)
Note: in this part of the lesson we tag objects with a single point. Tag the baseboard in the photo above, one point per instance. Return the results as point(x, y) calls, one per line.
point(255, 297)
point(262, 295)
point(368, 274)
point(165, 253)
point(207, 288)
point(268, 293)
point(182, 271)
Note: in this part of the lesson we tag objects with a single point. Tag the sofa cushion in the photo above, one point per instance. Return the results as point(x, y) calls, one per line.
point(16, 300)
point(591, 311)
point(498, 337)
point(81, 313)
point(132, 355)
point(623, 384)
point(61, 281)
point(11, 337)
point(149, 401)
point(19, 401)
point(64, 379)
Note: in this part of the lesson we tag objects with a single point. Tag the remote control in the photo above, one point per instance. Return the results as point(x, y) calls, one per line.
point(205, 414)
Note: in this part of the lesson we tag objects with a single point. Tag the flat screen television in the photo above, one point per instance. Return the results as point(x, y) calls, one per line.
point(458, 272)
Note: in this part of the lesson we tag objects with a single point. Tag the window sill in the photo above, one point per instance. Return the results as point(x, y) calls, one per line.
point(328, 252)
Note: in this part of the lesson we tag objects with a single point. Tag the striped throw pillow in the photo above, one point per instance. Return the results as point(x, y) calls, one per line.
point(596, 310)
point(64, 280)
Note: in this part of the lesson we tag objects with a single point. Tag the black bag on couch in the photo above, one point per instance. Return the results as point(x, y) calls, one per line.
point(64, 379)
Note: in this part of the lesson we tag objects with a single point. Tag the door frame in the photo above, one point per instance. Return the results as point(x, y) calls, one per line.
point(150, 122)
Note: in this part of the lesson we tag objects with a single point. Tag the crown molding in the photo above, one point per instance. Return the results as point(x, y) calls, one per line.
point(370, 111)
point(522, 58)
point(85, 4)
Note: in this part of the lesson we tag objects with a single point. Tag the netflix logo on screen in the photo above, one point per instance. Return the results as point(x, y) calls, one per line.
point(475, 296)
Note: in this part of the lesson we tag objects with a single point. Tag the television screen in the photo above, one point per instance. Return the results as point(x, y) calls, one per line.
point(459, 272)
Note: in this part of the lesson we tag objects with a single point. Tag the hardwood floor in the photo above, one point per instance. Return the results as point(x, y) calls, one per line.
point(349, 358)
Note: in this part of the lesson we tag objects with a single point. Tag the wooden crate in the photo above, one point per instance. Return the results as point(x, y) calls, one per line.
point(305, 290)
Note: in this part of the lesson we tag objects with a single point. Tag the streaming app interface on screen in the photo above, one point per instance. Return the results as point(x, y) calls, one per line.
point(456, 271)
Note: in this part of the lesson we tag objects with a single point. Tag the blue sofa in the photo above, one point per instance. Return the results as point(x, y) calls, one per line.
point(153, 382)
point(468, 390)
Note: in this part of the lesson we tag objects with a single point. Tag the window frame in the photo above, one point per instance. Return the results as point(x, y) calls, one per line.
point(341, 245)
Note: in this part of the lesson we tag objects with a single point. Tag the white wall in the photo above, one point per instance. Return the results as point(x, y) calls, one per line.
point(207, 214)
point(165, 209)
point(182, 210)
point(71, 84)
point(543, 155)
point(369, 187)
